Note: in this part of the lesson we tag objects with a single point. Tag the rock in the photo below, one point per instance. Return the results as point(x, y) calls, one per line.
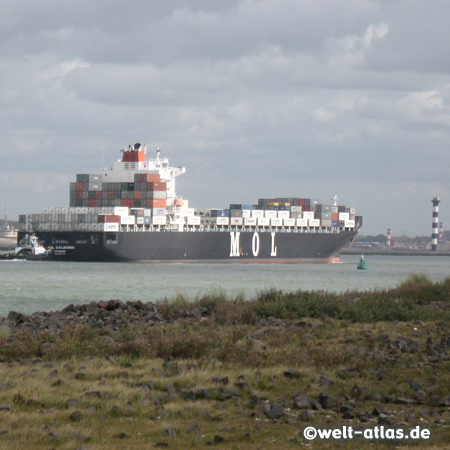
point(444, 401)
point(326, 401)
point(218, 439)
point(360, 392)
point(420, 396)
point(79, 437)
point(302, 401)
point(403, 401)
point(201, 394)
point(306, 416)
point(377, 411)
point(220, 380)
point(292, 374)
point(75, 416)
point(275, 412)
point(170, 432)
point(5, 407)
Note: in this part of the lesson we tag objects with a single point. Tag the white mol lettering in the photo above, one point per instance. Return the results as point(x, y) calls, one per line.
point(273, 251)
point(234, 244)
point(255, 244)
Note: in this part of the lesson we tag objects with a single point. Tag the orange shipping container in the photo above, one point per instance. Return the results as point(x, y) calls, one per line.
point(150, 178)
point(156, 203)
point(137, 194)
point(334, 216)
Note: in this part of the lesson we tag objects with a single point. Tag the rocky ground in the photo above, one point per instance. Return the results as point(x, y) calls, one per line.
point(142, 375)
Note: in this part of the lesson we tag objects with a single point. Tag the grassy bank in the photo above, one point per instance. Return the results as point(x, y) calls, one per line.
point(229, 373)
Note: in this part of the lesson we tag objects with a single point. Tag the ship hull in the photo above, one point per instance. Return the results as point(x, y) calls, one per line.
point(197, 246)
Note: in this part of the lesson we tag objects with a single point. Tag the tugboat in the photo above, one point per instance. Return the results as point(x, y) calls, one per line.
point(362, 264)
point(30, 249)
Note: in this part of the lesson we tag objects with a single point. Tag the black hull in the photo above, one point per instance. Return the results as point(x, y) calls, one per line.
point(196, 246)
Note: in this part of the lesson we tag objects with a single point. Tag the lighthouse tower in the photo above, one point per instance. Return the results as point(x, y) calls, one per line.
point(435, 223)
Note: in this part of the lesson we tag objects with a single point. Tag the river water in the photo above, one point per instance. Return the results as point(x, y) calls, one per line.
point(28, 287)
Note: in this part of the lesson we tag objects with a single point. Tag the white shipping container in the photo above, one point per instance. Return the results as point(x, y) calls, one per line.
point(109, 226)
point(349, 224)
point(344, 216)
point(250, 221)
point(159, 220)
point(270, 214)
point(352, 211)
point(95, 187)
point(334, 209)
point(223, 220)
point(127, 220)
point(263, 222)
point(257, 213)
point(289, 222)
point(314, 222)
point(308, 215)
point(158, 211)
point(276, 222)
point(236, 220)
point(193, 220)
point(246, 213)
point(302, 222)
point(140, 220)
point(188, 212)
point(283, 214)
point(121, 211)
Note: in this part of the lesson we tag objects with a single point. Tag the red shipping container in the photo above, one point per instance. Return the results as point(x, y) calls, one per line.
point(137, 194)
point(108, 218)
point(98, 195)
point(79, 195)
point(334, 216)
point(156, 186)
point(91, 203)
point(306, 208)
point(79, 187)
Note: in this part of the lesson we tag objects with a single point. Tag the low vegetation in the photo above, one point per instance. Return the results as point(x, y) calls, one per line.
point(233, 374)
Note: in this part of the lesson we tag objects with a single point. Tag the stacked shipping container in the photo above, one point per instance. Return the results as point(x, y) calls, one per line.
point(147, 191)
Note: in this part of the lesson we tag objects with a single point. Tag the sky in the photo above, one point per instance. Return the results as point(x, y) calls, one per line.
point(256, 98)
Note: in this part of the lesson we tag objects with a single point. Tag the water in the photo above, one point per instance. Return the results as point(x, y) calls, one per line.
point(49, 286)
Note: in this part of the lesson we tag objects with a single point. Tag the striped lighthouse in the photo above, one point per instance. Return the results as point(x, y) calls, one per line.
point(435, 232)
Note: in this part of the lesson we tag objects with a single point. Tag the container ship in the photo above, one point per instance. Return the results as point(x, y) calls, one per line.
point(131, 212)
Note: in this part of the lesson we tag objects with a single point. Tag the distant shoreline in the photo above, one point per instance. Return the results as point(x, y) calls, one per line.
point(403, 252)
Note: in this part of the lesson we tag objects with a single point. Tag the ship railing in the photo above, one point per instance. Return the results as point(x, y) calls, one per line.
point(231, 228)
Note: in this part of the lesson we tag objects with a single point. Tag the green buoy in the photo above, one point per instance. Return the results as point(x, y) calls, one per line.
point(362, 264)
